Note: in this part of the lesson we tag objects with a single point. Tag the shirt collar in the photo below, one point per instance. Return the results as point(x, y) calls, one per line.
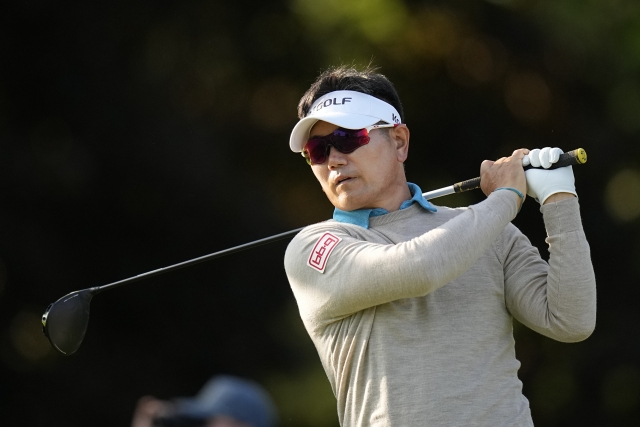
point(361, 216)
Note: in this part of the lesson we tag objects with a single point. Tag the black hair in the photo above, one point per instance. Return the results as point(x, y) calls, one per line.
point(343, 77)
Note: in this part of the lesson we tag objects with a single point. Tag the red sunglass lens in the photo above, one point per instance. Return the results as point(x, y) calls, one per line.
point(316, 151)
point(344, 140)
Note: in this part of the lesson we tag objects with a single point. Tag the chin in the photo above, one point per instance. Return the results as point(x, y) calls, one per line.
point(349, 200)
point(347, 205)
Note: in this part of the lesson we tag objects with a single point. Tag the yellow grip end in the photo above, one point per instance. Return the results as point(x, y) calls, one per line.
point(581, 155)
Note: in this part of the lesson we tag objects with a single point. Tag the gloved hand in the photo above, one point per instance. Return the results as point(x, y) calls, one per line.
point(543, 183)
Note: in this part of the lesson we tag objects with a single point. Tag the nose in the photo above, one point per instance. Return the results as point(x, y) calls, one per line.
point(335, 158)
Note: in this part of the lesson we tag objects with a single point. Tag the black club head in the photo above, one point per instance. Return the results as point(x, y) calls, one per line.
point(65, 321)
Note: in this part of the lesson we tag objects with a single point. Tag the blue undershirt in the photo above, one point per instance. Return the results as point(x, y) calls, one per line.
point(361, 216)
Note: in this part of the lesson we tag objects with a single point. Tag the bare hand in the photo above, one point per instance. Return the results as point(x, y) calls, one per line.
point(504, 172)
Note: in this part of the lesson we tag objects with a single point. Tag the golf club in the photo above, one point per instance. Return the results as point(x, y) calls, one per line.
point(65, 321)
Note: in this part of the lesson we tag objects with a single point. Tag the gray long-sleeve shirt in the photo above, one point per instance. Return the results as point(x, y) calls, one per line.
point(412, 318)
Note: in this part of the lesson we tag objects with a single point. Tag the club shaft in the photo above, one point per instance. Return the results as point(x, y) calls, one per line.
point(198, 260)
point(574, 157)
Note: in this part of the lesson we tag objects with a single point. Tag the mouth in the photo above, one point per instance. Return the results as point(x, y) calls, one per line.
point(343, 180)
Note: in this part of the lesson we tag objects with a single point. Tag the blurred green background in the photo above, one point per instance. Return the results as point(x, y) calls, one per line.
point(136, 134)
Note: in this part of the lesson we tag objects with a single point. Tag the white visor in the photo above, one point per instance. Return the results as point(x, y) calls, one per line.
point(345, 108)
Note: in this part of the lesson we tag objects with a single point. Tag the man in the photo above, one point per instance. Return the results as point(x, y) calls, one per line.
point(224, 401)
point(410, 305)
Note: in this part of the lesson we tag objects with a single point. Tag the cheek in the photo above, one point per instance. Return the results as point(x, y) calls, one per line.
point(378, 165)
point(321, 175)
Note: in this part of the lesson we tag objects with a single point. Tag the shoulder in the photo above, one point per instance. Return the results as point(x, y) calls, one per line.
point(328, 232)
point(314, 231)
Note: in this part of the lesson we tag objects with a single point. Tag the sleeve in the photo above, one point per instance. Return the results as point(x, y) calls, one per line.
point(557, 299)
point(361, 274)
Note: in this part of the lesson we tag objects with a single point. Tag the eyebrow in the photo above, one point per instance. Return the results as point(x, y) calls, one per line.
point(320, 136)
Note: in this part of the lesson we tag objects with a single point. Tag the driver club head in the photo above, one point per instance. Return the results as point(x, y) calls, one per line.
point(65, 321)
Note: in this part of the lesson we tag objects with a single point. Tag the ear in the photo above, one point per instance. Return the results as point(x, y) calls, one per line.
point(400, 135)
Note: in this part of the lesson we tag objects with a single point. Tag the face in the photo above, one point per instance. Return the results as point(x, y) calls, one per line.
point(370, 177)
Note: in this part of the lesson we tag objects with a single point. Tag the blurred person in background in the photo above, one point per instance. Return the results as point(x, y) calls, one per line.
point(224, 401)
point(411, 305)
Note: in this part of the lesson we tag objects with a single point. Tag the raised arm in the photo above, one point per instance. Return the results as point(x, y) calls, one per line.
point(557, 299)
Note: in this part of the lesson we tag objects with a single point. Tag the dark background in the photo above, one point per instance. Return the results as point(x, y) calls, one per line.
point(136, 134)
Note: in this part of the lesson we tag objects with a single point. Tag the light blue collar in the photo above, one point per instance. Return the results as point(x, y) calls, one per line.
point(361, 216)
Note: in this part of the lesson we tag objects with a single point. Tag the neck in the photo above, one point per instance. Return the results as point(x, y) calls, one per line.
point(396, 194)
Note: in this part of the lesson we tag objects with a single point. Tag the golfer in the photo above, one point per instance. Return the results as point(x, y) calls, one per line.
point(411, 305)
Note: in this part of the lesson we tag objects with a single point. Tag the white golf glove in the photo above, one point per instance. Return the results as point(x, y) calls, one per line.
point(543, 183)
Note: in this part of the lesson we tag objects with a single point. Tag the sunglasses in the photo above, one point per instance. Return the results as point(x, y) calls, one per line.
point(346, 141)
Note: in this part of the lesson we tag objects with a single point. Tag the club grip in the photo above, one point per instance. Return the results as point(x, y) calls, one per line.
point(470, 184)
point(570, 158)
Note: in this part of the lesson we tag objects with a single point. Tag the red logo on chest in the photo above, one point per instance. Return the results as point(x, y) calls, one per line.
point(321, 251)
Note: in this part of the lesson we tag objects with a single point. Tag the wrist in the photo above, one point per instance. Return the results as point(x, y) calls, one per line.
point(516, 192)
point(556, 197)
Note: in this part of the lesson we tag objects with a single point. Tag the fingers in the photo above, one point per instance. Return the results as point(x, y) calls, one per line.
point(554, 154)
point(504, 172)
point(521, 155)
point(534, 157)
point(485, 166)
point(542, 157)
point(520, 152)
